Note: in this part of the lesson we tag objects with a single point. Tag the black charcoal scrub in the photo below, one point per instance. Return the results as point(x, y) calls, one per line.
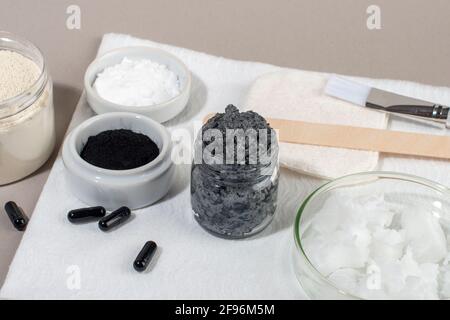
point(239, 199)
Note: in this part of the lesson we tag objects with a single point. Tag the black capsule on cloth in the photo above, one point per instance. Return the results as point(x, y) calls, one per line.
point(16, 215)
point(86, 214)
point(114, 219)
point(145, 256)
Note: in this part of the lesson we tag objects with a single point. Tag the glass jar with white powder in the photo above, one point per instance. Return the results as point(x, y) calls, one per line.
point(27, 126)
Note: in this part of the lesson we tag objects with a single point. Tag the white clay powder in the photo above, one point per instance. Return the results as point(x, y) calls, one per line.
point(17, 74)
point(137, 83)
point(27, 135)
point(375, 248)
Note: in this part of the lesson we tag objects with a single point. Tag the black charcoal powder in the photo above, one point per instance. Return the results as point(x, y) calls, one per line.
point(119, 149)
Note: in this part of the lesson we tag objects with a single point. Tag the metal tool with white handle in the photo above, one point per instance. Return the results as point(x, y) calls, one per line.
point(373, 98)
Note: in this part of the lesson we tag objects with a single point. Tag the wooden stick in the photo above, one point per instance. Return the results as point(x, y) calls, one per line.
point(359, 138)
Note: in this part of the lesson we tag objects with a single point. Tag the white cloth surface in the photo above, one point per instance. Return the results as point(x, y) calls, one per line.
point(191, 263)
point(299, 95)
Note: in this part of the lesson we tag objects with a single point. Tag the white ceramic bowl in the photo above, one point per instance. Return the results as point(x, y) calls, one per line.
point(160, 112)
point(135, 188)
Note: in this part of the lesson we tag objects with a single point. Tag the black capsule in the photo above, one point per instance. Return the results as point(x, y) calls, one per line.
point(16, 215)
point(114, 219)
point(86, 214)
point(145, 256)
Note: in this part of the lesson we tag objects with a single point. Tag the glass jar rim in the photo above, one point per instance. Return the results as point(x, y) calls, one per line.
point(27, 97)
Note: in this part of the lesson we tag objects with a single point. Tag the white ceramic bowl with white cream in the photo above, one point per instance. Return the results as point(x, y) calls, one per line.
point(135, 188)
point(160, 112)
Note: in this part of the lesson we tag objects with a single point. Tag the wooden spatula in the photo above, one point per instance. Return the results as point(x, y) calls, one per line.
point(368, 139)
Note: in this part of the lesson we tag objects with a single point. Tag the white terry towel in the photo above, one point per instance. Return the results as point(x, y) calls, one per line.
point(192, 264)
point(299, 95)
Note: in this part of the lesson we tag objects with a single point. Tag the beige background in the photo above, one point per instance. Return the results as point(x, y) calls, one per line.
point(322, 35)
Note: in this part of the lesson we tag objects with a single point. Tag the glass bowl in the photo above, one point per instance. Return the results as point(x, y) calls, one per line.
point(417, 195)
